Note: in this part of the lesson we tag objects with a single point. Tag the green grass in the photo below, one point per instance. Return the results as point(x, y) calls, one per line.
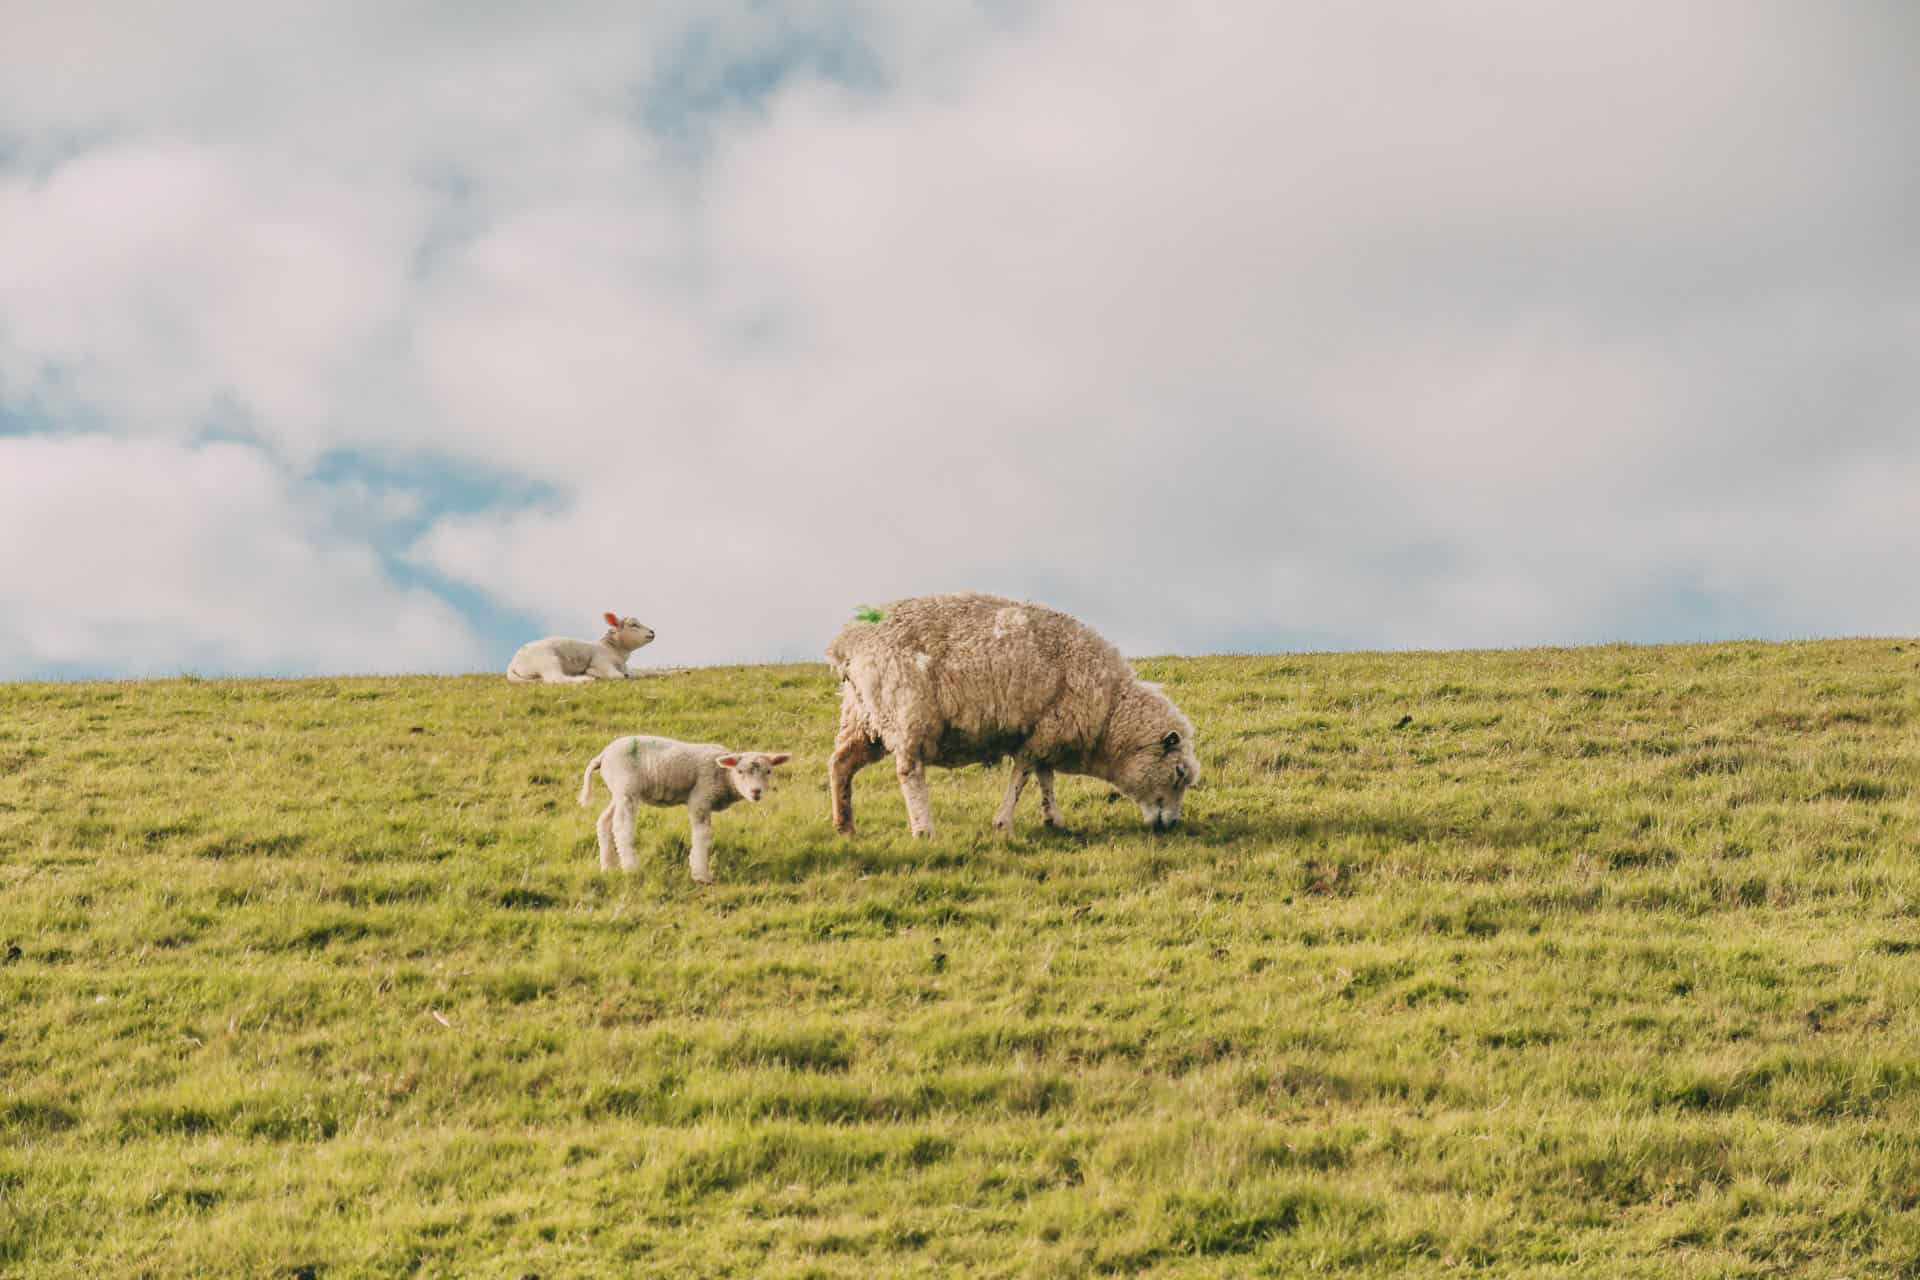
point(1569, 962)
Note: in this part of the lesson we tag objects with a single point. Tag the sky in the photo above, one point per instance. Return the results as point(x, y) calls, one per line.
point(354, 337)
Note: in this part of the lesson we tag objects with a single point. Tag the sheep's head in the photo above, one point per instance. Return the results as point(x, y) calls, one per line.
point(627, 633)
point(1158, 765)
point(751, 772)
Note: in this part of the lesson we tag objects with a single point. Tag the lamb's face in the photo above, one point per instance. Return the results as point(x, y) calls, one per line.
point(1157, 777)
point(752, 771)
point(628, 633)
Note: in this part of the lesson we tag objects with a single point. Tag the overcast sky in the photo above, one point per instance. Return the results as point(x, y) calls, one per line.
point(372, 337)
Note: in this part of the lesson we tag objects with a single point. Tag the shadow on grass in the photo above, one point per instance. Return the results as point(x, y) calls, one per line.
point(240, 845)
point(25, 1116)
point(881, 849)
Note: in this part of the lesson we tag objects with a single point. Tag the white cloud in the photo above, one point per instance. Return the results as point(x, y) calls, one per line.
point(169, 280)
point(1485, 322)
point(151, 558)
point(1511, 328)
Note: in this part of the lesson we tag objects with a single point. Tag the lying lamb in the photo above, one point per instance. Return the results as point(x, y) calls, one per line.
point(559, 660)
point(663, 772)
point(967, 679)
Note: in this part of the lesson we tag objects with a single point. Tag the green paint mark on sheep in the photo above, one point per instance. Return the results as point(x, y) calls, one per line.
point(867, 613)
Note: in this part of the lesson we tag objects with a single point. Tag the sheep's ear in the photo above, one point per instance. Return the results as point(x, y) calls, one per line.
point(612, 619)
point(1171, 742)
point(779, 757)
point(726, 762)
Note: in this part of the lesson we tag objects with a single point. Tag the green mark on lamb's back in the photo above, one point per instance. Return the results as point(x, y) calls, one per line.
point(867, 613)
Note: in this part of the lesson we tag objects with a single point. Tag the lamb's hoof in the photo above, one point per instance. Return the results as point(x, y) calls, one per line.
point(844, 828)
point(703, 879)
point(1004, 828)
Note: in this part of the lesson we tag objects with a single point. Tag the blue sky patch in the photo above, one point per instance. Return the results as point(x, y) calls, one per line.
point(700, 76)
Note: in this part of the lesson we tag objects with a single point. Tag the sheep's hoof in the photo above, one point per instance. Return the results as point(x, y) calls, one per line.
point(1003, 826)
point(703, 879)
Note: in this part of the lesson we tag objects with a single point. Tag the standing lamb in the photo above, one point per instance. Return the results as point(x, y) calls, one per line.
point(662, 772)
point(558, 660)
point(967, 679)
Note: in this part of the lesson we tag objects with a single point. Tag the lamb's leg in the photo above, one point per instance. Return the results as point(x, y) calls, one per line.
point(853, 751)
point(605, 829)
point(1049, 810)
point(702, 844)
point(623, 816)
point(1016, 783)
point(559, 668)
point(913, 785)
point(549, 669)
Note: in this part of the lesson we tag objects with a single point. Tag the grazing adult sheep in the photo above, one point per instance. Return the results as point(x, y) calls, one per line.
point(661, 771)
point(969, 679)
point(558, 660)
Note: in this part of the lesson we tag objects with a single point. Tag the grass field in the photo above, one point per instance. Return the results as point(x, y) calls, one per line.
point(1559, 962)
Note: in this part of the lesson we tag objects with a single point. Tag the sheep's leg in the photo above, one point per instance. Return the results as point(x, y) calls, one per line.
point(853, 751)
point(1049, 809)
point(623, 816)
point(1016, 783)
point(702, 845)
point(605, 829)
point(913, 786)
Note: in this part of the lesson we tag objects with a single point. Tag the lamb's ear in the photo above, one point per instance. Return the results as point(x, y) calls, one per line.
point(1171, 742)
point(613, 620)
point(726, 762)
point(779, 757)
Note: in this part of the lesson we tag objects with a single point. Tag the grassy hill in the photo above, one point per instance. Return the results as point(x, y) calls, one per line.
point(1597, 962)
